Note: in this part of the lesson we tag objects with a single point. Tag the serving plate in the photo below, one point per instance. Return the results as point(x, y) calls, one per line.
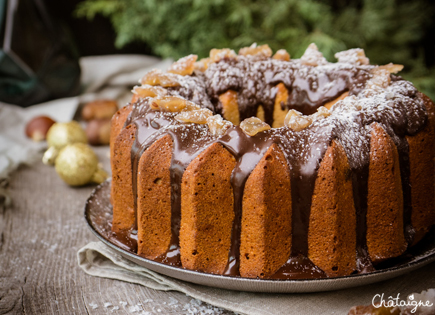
point(98, 215)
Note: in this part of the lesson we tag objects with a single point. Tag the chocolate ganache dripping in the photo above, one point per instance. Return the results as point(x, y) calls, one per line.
point(309, 87)
point(248, 151)
point(398, 108)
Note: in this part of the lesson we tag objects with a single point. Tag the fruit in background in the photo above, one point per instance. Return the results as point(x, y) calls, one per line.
point(99, 109)
point(98, 131)
point(37, 128)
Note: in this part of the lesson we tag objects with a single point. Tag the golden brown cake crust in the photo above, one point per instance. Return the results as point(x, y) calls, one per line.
point(329, 104)
point(124, 217)
point(207, 212)
point(206, 184)
point(422, 175)
point(332, 228)
point(280, 100)
point(230, 109)
point(154, 199)
point(266, 217)
point(117, 123)
point(260, 113)
point(385, 232)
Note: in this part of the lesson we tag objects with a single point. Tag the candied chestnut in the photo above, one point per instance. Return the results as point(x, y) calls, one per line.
point(37, 128)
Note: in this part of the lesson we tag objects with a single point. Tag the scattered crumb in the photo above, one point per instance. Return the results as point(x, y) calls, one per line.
point(134, 309)
point(172, 301)
point(93, 305)
point(52, 248)
point(196, 307)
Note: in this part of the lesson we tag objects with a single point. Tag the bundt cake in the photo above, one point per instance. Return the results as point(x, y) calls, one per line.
point(263, 166)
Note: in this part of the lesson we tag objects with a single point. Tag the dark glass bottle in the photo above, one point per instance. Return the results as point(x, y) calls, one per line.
point(38, 61)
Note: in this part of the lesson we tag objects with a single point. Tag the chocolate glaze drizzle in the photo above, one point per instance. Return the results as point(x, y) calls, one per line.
point(309, 87)
point(248, 151)
point(398, 108)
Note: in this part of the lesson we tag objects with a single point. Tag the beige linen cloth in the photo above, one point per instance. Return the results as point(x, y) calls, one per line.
point(109, 77)
point(112, 77)
point(97, 259)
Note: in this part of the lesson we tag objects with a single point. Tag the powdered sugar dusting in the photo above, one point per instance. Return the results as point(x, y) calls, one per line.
point(313, 57)
point(196, 307)
point(373, 96)
point(355, 56)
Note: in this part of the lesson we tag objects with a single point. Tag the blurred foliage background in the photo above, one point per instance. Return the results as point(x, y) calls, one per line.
point(397, 31)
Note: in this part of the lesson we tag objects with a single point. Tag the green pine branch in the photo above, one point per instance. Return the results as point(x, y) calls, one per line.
point(388, 30)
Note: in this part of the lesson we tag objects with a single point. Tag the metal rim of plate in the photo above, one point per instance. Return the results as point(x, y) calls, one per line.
point(100, 198)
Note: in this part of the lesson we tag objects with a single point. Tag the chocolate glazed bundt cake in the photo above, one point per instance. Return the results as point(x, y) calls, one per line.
point(262, 166)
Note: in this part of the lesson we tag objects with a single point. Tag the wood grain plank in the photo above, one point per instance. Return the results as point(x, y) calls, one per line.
point(39, 239)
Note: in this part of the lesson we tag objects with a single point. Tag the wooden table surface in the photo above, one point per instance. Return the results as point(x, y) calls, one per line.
point(39, 239)
point(40, 235)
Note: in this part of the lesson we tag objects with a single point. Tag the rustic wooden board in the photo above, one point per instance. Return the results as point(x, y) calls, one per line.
point(39, 238)
point(42, 232)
